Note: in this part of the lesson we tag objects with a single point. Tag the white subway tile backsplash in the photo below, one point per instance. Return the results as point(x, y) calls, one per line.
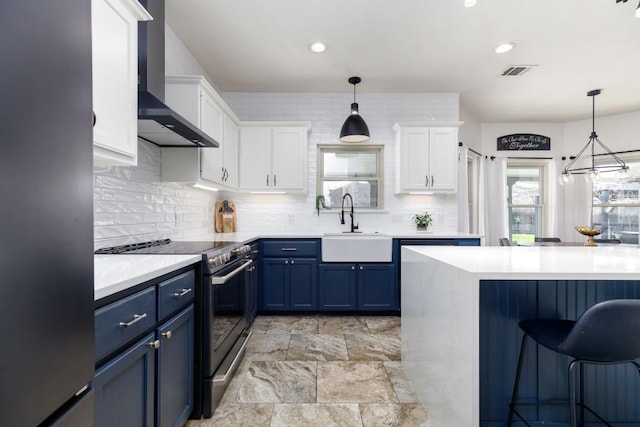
point(132, 204)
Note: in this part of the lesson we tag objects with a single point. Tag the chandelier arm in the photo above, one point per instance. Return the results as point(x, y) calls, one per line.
point(566, 168)
point(612, 154)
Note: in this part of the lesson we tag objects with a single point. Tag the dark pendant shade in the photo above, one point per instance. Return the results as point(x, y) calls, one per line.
point(354, 128)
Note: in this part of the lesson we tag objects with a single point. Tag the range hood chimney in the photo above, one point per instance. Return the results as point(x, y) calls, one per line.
point(157, 123)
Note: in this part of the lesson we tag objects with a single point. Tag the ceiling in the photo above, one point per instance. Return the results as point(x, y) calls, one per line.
point(425, 46)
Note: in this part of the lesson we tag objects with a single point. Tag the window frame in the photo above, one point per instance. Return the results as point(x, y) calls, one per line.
point(378, 149)
point(544, 167)
point(634, 159)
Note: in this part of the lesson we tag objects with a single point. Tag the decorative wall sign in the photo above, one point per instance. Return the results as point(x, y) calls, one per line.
point(524, 142)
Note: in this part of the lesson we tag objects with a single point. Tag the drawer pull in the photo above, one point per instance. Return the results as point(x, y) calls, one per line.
point(289, 249)
point(182, 292)
point(167, 335)
point(136, 319)
point(155, 344)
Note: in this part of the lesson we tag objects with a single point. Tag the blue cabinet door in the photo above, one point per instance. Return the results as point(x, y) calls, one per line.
point(377, 287)
point(124, 387)
point(303, 284)
point(275, 278)
point(175, 369)
point(337, 287)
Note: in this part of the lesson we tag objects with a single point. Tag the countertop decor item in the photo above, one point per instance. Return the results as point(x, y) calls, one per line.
point(590, 232)
point(612, 162)
point(354, 128)
point(423, 220)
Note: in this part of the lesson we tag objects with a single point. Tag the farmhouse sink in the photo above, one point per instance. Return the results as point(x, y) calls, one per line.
point(356, 247)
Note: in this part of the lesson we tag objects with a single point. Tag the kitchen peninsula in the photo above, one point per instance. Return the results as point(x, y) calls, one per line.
point(460, 336)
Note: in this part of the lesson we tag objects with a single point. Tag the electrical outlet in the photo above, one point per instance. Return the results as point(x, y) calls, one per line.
point(292, 218)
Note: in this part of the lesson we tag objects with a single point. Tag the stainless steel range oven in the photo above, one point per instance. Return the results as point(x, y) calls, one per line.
point(222, 312)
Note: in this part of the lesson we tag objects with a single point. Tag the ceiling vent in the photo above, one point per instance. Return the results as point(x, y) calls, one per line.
point(517, 70)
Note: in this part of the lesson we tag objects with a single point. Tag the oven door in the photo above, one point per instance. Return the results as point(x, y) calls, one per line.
point(224, 329)
point(227, 311)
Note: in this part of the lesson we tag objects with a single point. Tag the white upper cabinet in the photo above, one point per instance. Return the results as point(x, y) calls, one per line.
point(273, 156)
point(114, 28)
point(195, 99)
point(426, 157)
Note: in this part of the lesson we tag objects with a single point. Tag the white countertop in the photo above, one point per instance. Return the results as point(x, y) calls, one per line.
point(244, 237)
point(518, 262)
point(114, 273)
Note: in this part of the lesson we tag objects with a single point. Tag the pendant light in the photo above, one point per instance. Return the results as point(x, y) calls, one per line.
point(354, 128)
point(591, 172)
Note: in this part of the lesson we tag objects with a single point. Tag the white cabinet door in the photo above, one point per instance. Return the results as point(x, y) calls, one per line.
point(427, 158)
point(114, 27)
point(230, 153)
point(289, 158)
point(211, 116)
point(443, 165)
point(255, 157)
point(415, 159)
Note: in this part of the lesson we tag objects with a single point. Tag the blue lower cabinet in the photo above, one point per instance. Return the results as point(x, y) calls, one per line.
point(125, 387)
point(377, 287)
point(175, 369)
point(337, 287)
point(289, 284)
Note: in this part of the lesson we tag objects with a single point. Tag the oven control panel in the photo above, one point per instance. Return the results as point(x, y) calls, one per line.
point(225, 257)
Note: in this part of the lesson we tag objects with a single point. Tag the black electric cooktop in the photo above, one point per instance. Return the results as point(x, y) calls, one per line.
point(166, 246)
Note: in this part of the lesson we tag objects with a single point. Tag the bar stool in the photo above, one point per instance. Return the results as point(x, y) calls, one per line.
point(606, 333)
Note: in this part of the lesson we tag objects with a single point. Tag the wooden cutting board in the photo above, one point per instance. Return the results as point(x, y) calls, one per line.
point(225, 217)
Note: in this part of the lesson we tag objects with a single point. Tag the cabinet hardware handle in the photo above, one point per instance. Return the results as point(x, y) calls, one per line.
point(94, 119)
point(293, 262)
point(167, 335)
point(155, 344)
point(286, 261)
point(426, 180)
point(353, 267)
point(182, 292)
point(136, 319)
point(274, 180)
point(267, 180)
point(221, 280)
point(361, 268)
point(289, 249)
point(432, 180)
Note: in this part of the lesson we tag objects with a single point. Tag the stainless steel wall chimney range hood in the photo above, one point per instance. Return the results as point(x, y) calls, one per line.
point(157, 123)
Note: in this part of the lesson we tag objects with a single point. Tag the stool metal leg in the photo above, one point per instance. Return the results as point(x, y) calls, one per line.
point(572, 394)
point(516, 383)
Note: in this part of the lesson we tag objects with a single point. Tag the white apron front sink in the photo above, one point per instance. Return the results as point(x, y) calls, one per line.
point(356, 247)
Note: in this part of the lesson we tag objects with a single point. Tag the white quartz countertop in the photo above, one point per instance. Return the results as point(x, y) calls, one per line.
point(244, 237)
point(115, 273)
point(545, 262)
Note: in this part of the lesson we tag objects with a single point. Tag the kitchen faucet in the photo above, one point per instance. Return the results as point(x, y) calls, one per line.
point(353, 227)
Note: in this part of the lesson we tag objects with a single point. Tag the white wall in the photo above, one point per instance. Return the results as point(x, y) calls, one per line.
point(327, 112)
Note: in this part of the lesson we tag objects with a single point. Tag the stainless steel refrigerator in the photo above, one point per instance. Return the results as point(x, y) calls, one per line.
point(46, 214)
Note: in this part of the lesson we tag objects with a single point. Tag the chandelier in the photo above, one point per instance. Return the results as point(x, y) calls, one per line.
point(592, 172)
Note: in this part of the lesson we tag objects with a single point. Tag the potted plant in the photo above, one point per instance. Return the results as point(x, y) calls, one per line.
point(423, 220)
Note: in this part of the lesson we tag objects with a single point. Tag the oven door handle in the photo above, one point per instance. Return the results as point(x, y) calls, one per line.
point(219, 380)
point(221, 280)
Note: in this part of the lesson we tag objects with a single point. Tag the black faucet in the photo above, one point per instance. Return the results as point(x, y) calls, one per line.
point(353, 227)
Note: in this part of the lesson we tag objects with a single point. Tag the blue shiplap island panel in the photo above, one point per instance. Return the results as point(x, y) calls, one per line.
point(612, 391)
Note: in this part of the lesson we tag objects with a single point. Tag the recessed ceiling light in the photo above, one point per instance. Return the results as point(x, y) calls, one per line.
point(505, 47)
point(318, 47)
point(469, 3)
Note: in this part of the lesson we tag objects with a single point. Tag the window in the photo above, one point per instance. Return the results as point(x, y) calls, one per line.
point(616, 204)
point(353, 170)
point(525, 201)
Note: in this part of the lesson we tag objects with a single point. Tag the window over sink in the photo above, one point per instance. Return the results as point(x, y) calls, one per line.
point(354, 170)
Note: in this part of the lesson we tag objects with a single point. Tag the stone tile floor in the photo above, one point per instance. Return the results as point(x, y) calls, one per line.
point(320, 371)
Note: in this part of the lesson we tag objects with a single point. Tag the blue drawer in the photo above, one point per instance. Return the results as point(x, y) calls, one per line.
point(124, 320)
point(176, 293)
point(290, 248)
